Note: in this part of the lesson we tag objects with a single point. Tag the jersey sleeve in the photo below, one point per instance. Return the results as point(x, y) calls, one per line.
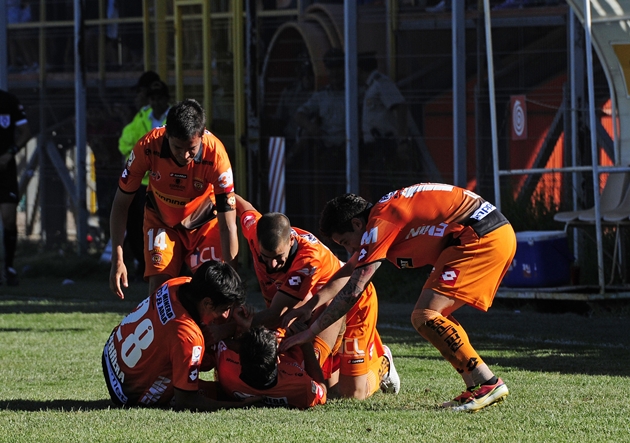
point(223, 178)
point(136, 166)
point(249, 221)
point(186, 355)
point(379, 236)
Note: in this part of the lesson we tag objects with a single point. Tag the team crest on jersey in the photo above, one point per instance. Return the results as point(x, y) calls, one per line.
point(156, 175)
point(198, 185)
point(156, 257)
point(404, 263)
point(449, 276)
point(5, 120)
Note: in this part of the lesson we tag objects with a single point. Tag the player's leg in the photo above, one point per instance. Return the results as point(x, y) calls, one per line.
point(163, 255)
point(465, 274)
point(8, 210)
point(366, 365)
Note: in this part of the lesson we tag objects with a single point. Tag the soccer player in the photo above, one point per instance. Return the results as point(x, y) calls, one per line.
point(252, 366)
point(189, 216)
point(14, 133)
point(152, 357)
point(467, 240)
point(291, 264)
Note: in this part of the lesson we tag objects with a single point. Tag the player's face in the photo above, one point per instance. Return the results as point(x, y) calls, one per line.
point(348, 241)
point(184, 151)
point(209, 313)
point(275, 260)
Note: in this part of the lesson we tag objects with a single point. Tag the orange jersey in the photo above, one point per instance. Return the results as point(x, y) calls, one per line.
point(156, 348)
point(294, 388)
point(310, 265)
point(412, 226)
point(177, 191)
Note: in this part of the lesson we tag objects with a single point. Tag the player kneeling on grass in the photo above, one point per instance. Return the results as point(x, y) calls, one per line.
point(252, 366)
point(152, 358)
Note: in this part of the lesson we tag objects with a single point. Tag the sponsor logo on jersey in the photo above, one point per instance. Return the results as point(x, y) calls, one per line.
point(226, 181)
point(113, 359)
point(295, 280)
point(356, 361)
point(449, 276)
point(430, 230)
point(196, 355)
point(449, 333)
point(412, 190)
point(483, 210)
point(404, 263)
point(177, 175)
point(276, 401)
point(370, 236)
point(5, 120)
point(201, 256)
point(164, 304)
point(309, 238)
point(193, 374)
point(155, 391)
point(170, 200)
point(362, 254)
point(351, 347)
point(248, 221)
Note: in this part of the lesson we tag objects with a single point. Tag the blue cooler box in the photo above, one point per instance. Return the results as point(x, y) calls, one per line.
point(542, 259)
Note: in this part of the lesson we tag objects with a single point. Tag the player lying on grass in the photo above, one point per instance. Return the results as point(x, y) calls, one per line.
point(252, 366)
point(153, 357)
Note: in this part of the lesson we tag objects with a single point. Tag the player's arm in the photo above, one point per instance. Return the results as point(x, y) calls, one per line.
point(117, 227)
point(229, 236)
point(242, 205)
point(338, 307)
point(325, 294)
point(195, 401)
point(271, 317)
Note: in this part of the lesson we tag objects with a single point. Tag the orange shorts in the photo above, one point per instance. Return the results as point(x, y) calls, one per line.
point(361, 341)
point(471, 272)
point(166, 249)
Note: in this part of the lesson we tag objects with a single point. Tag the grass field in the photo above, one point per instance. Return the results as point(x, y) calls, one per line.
point(568, 376)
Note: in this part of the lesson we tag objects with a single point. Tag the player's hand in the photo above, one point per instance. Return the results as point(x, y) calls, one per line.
point(243, 316)
point(302, 314)
point(118, 275)
point(297, 339)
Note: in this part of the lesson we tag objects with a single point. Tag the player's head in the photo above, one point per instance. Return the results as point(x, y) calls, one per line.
point(214, 289)
point(273, 231)
point(185, 125)
point(142, 87)
point(159, 97)
point(344, 219)
point(258, 353)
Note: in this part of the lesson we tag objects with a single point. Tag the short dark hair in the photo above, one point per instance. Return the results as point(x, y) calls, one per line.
point(217, 281)
point(258, 353)
point(272, 229)
point(158, 89)
point(185, 120)
point(336, 218)
point(146, 79)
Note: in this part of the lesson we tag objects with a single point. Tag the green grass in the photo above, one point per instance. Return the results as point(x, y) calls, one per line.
point(567, 374)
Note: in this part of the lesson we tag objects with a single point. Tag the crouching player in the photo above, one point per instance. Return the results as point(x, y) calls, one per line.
point(251, 366)
point(152, 357)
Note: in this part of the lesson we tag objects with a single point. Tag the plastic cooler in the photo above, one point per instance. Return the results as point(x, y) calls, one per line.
point(542, 259)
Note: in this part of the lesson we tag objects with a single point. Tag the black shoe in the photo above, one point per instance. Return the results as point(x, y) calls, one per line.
point(11, 276)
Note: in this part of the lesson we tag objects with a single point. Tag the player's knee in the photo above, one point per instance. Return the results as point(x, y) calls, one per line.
point(420, 317)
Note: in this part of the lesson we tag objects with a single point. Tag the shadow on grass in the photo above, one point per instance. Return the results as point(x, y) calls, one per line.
point(55, 405)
